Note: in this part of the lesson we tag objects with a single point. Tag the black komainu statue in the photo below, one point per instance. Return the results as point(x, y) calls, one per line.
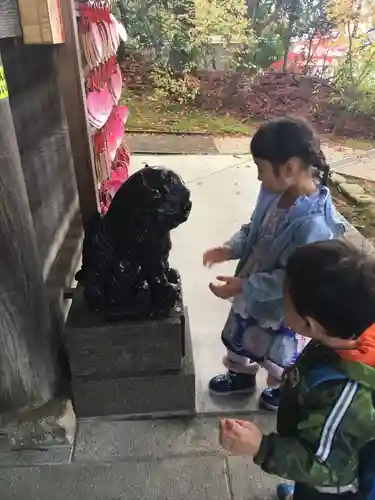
point(125, 270)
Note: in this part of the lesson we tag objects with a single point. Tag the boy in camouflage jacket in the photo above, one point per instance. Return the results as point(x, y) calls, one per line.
point(326, 418)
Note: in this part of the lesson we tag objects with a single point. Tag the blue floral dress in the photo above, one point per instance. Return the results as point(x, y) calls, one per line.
point(246, 340)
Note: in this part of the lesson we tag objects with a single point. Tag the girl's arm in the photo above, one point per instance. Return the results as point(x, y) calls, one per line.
point(263, 291)
point(237, 242)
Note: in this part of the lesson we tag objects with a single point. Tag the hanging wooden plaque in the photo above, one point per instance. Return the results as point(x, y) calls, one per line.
point(41, 21)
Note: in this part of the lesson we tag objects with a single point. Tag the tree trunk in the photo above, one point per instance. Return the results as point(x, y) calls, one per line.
point(310, 52)
point(286, 54)
point(271, 18)
point(27, 363)
point(288, 41)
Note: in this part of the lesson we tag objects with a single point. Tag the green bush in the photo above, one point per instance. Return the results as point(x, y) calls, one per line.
point(180, 88)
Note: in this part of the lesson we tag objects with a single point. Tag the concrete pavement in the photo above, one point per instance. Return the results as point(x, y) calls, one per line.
point(344, 159)
point(359, 164)
point(144, 460)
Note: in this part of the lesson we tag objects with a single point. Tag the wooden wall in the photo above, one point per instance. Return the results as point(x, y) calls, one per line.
point(43, 141)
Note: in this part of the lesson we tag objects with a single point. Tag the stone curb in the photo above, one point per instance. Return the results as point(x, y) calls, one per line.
point(351, 190)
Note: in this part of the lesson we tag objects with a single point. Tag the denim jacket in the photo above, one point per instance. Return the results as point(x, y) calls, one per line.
point(311, 219)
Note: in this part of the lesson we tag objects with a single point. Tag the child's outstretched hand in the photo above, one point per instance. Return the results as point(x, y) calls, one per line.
point(240, 437)
point(216, 256)
point(231, 288)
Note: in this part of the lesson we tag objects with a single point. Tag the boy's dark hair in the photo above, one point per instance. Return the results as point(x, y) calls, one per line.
point(333, 282)
point(281, 139)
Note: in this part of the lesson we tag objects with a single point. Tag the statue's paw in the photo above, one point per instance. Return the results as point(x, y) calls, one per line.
point(166, 297)
point(94, 297)
point(173, 276)
point(79, 277)
point(171, 293)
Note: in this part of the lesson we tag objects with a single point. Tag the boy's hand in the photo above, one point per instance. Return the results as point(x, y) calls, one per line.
point(216, 256)
point(240, 437)
point(232, 287)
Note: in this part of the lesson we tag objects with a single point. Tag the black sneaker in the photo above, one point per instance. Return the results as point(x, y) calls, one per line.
point(270, 399)
point(233, 383)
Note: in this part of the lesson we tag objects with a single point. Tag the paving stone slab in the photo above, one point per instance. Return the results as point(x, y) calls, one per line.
point(249, 482)
point(337, 178)
point(185, 479)
point(351, 189)
point(233, 145)
point(153, 439)
point(171, 144)
point(52, 455)
point(363, 167)
point(146, 439)
point(363, 199)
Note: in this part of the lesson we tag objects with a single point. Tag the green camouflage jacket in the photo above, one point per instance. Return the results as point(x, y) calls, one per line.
point(320, 431)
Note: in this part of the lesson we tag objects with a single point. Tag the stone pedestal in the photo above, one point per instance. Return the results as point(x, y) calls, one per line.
point(130, 368)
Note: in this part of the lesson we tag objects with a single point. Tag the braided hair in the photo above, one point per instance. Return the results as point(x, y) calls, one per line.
point(279, 140)
point(321, 168)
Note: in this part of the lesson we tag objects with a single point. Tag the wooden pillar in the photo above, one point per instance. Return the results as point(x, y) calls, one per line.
point(72, 87)
point(27, 363)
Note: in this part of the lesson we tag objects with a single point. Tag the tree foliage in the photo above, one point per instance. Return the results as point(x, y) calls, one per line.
point(263, 28)
point(355, 77)
point(179, 33)
point(185, 26)
point(226, 19)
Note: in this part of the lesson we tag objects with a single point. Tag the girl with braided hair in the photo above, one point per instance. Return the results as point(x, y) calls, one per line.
point(293, 209)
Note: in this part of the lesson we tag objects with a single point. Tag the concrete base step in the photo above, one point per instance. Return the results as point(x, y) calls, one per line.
point(143, 440)
point(155, 394)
